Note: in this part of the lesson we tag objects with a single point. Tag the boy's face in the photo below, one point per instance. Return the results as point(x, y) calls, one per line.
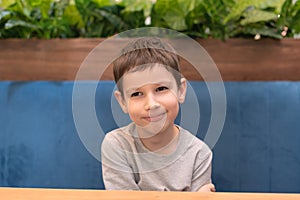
point(151, 97)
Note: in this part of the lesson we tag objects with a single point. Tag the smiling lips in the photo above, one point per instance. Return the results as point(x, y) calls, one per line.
point(155, 118)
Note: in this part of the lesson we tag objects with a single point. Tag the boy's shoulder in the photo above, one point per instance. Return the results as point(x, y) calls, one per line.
point(121, 134)
point(129, 129)
point(192, 141)
point(186, 134)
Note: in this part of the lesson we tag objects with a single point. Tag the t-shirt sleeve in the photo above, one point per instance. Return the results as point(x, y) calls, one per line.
point(202, 169)
point(116, 172)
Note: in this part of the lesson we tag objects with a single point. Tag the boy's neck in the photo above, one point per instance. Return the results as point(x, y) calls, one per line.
point(163, 142)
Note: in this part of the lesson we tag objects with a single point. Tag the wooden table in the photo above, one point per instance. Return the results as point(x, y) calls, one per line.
point(70, 194)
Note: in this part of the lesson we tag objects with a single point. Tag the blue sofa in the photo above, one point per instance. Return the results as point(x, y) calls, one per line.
point(258, 150)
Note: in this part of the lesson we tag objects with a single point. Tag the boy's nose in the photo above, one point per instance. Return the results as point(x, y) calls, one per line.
point(151, 103)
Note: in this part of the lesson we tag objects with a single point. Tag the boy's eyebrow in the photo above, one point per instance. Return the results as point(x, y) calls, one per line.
point(164, 82)
point(130, 90)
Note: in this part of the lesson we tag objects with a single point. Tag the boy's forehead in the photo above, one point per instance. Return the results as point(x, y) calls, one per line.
point(154, 75)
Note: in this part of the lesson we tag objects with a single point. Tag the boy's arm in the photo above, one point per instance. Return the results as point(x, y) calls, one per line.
point(202, 173)
point(207, 188)
point(116, 172)
point(118, 180)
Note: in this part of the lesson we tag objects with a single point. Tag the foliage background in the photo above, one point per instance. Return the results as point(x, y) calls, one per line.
point(220, 19)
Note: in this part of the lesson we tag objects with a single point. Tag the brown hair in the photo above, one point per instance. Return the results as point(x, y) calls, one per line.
point(145, 52)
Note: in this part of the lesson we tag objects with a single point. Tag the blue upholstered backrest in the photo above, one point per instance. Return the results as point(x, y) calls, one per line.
point(258, 150)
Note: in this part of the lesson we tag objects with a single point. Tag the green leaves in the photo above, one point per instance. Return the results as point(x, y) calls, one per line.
point(175, 14)
point(102, 18)
point(290, 17)
point(255, 15)
point(170, 14)
point(138, 5)
point(35, 18)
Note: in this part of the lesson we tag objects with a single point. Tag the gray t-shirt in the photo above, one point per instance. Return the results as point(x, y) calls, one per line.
point(128, 165)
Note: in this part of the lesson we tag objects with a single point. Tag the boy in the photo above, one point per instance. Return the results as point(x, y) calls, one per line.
point(152, 153)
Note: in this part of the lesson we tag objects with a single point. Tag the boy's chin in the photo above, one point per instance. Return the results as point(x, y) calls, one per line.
point(151, 129)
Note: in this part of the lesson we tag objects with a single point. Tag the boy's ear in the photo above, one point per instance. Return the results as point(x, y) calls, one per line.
point(182, 90)
point(121, 101)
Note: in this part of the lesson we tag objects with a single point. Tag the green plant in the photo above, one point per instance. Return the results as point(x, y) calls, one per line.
point(226, 18)
point(289, 19)
point(64, 19)
point(102, 18)
point(43, 19)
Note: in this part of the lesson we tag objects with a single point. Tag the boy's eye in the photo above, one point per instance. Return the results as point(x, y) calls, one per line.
point(162, 88)
point(136, 94)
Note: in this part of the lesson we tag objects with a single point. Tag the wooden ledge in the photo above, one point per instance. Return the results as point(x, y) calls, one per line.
point(68, 194)
point(236, 59)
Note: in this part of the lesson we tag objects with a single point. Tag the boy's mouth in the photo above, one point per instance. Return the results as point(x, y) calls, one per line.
point(156, 117)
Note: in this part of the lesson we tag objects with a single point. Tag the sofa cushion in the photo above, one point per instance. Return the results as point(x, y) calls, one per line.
point(257, 151)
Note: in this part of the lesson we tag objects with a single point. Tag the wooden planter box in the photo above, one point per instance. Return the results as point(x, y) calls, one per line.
point(236, 59)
